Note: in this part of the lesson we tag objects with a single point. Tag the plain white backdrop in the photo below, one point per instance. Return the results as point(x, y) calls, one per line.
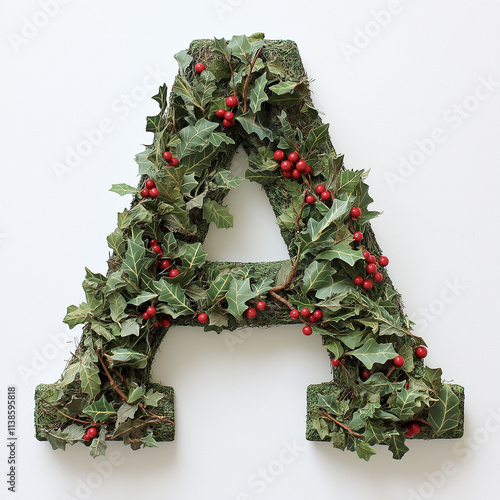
point(412, 92)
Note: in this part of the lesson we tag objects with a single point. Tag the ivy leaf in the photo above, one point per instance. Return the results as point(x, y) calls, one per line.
point(135, 215)
point(192, 255)
point(205, 88)
point(134, 261)
point(117, 243)
point(135, 393)
point(188, 184)
point(126, 411)
point(262, 160)
point(365, 451)
point(360, 416)
point(149, 441)
point(59, 438)
point(77, 315)
point(329, 403)
point(276, 68)
point(433, 378)
point(218, 288)
point(444, 414)
point(408, 403)
point(218, 319)
point(339, 286)
point(152, 398)
point(128, 357)
point(89, 378)
point(223, 179)
point(288, 138)
point(162, 97)
point(115, 281)
point(337, 210)
point(397, 446)
point(258, 94)
point(221, 49)
point(316, 137)
point(262, 177)
point(173, 295)
point(117, 305)
point(284, 87)
point(98, 446)
point(102, 330)
point(218, 214)
point(374, 431)
point(146, 166)
point(262, 286)
point(335, 347)
point(238, 293)
point(183, 88)
point(123, 189)
point(184, 60)
point(252, 124)
point(194, 138)
point(240, 47)
point(100, 411)
point(372, 352)
point(129, 327)
point(378, 383)
point(317, 275)
point(342, 251)
point(70, 373)
point(141, 298)
point(321, 427)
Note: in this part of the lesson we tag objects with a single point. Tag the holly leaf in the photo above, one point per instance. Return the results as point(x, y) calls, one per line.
point(70, 373)
point(241, 48)
point(238, 293)
point(59, 438)
point(126, 411)
point(102, 330)
point(374, 431)
point(130, 327)
point(433, 378)
point(378, 383)
point(123, 189)
point(365, 451)
point(262, 177)
point(221, 49)
point(218, 214)
point(128, 357)
point(98, 446)
point(149, 441)
point(184, 60)
point(134, 261)
point(397, 446)
point(117, 243)
point(316, 137)
point(284, 87)
point(329, 403)
point(317, 275)
point(194, 138)
point(407, 403)
point(262, 286)
point(117, 305)
point(141, 298)
point(192, 255)
point(205, 88)
point(152, 398)
point(100, 410)
point(135, 393)
point(372, 352)
point(258, 93)
point(77, 315)
point(342, 251)
point(173, 295)
point(252, 124)
point(89, 379)
point(444, 414)
point(218, 288)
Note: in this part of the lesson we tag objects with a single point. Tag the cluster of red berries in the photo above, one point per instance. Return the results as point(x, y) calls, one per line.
point(310, 317)
point(90, 434)
point(149, 313)
point(162, 264)
point(149, 189)
point(227, 116)
point(164, 323)
point(251, 312)
point(292, 167)
point(371, 270)
point(412, 429)
point(171, 160)
point(199, 68)
point(323, 193)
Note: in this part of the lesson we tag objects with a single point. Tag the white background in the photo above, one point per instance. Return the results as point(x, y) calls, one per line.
point(238, 406)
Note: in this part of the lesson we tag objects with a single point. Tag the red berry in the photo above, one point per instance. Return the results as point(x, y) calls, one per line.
point(92, 432)
point(145, 192)
point(367, 284)
point(371, 268)
point(307, 330)
point(202, 318)
point(301, 165)
point(155, 324)
point(173, 273)
point(157, 264)
point(318, 314)
point(326, 195)
point(357, 236)
point(153, 193)
point(355, 212)
point(286, 166)
point(231, 101)
point(165, 264)
point(366, 374)
point(87, 437)
point(336, 363)
point(366, 254)
point(294, 314)
point(310, 199)
point(173, 162)
point(358, 280)
point(167, 156)
point(199, 67)
point(165, 322)
point(408, 433)
point(383, 260)
point(399, 361)
point(305, 312)
point(296, 173)
point(307, 170)
point(221, 113)
point(251, 313)
point(145, 316)
point(287, 175)
point(413, 428)
point(229, 116)
point(421, 352)
point(377, 277)
point(156, 249)
point(293, 157)
point(153, 242)
point(311, 319)
point(151, 311)
point(371, 259)
point(279, 155)
point(150, 183)
point(320, 188)
point(227, 123)
point(261, 305)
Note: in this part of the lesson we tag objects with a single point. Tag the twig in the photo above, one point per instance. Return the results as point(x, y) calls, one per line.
point(64, 415)
point(111, 379)
point(247, 81)
point(340, 424)
point(280, 298)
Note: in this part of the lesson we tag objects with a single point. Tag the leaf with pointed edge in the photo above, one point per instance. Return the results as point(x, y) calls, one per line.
point(218, 288)
point(276, 68)
point(342, 251)
point(98, 445)
point(372, 352)
point(149, 441)
point(117, 243)
point(365, 451)
point(374, 431)
point(152, 398)
point(258, 94)
point(284, 87)
point(241, 48)
point(184, 60)
point(117, 305)
point(252, 124)
point(195, 137)
point(433, 377)
point(141, 298)
point(135, 393)
point(137, 214)
point(262, 160)
point(223, 179)
point(237, 295)
point(126, 411)
point(407, 403)
point(192, 255)
point(317, 275)
point(102, 330)
point(70, 373)
point(397, 446)
point(188, 184)
point(217, 319)
point(100, 410)
point(205, 88)
point(89, 378)
point(130, 327)
point(146, 166)
point(218, 214)
point(59, 438)
point(123, 189)
point(77, 315)
point(221, 49)
point(262, 177)
point(330, 404)
point(288, 137)
point(128, 357)
point(315, 138)
point(359, 417)
point(134, 261)
point(173, 295)
point(378, 383)
point(339, 286)
point(162, 97)
point(444, 414)
point(262, 286)
point(183, 87)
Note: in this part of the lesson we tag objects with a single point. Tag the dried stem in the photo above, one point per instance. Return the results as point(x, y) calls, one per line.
point(111, 379)
point(340, 424)
point(64, 415)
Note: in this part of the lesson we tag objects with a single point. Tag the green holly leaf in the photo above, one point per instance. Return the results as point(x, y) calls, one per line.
point(262, 177)
point(218, 288)
point(372, 352)
point(123, 189)
point(102, 330)
point(258, 93)
point(262, 286)
point(374, 431)
point(284, 87)
point(59, 438)
point(360, 416)
point(141, 298)
point(241, 48)
point(89, 378)
point(100, 411)
point(192, 255)
point(77, 315)
point(117, 305)
point(117, 243)
point(378, 383)
point(339, 286)
point(365, 451)
point(337, 211)
point(315, 138)
point(407, 403)
point(194, 138)
point(444, 414)
point(276, 68)
point(252, 124)
point(173, 295)
point(348, 180)
point(130, 327)
point(188, 184)
point(115, 282)
point(205, 88)
point(137, 214)
point(134, 262)
point(98, 445)
point(217, 319)
point(125, 412)
point(317, 275)
point(184, 60)
point(288, 135)
point(224, 180)
point(342, 251)
point(152, 398)
point(321, 427)
point(183, 88)
point(335, 347)
point(149, 441)
point(146, 166)
point(237, 295)
point(162, 97)
point(433, 378)
point(397, 446)
point(262, 160)
point(70, 373)
point(135, 393)
point(218, 214)
point(221, 49)
point(330, 404)
point(128, 357)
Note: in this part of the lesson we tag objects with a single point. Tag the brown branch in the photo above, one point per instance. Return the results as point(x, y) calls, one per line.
point(340, 424)
point(66, 416)
point(247, 80)
point(121, 377)
point(111, 379)
point(280, 298)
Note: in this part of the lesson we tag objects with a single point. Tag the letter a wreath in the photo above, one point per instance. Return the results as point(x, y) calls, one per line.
point(251, 92)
